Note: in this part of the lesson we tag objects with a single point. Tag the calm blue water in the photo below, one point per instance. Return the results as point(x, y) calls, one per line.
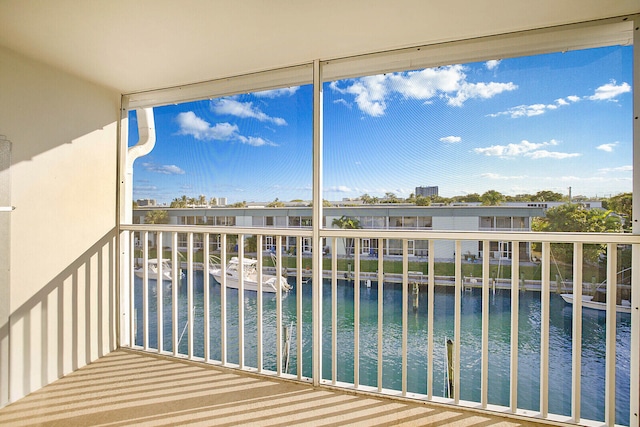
point(593, 341)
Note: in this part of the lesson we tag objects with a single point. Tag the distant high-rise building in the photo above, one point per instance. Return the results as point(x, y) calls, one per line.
point(427, 191)
point(222, 201)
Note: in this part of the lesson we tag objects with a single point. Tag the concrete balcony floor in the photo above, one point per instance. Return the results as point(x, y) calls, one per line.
point(133, 388)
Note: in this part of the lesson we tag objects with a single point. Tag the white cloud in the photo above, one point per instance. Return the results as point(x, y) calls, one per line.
point(255, 141)
point(163, 169)
point(190, 124)
point(450, 83)
point(243, 110)
point(479, 90)
point(544, 154)
point(495, 176)
point(275, 93)
point(607, 147)
point(492, 64)
point(525, 148)
point(528, 110)
point(451, 139)
point(609, 91)
point(343, 102)
point(627, 168)
point(339, 189)
point(370, 94)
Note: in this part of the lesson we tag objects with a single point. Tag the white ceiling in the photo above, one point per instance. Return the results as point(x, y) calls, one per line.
point(134, 45)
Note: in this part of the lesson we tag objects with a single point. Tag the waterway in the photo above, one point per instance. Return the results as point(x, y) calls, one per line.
point(560, 348)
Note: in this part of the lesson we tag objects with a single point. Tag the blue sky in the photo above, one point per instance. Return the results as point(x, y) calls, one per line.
point(517, 125)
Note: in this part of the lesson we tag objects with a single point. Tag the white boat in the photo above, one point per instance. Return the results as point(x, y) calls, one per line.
point(587, 302)
point(152, 270)
point(249, 271)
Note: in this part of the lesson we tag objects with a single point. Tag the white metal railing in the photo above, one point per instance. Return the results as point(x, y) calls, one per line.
point(239, 321)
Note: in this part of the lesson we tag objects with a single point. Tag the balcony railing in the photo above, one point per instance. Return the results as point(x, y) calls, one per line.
point(382, 325)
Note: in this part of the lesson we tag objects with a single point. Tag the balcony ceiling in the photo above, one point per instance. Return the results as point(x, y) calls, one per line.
point(134, 45)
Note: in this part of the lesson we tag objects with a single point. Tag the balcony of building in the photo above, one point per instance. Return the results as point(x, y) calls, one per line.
point(407, 323)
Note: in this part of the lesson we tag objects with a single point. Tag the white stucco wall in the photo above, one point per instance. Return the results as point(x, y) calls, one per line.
point(58, 306)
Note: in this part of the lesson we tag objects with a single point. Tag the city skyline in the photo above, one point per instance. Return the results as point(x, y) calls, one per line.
point(517, 126)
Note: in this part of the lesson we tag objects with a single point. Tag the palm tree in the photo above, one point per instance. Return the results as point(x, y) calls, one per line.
point(347, 223)
point(492, 198)
point(156, 217)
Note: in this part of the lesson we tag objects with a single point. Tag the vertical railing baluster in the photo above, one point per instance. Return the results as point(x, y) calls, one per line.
point(279, 307)
point(206, 296)
point(241, 301)
point(380, 310)
point(430, 317)
point(190, 303)
point(159, 291)
point(456, 321)
point(259, 302)
point(610, 357)
point(145, 290)
point(576, 336)
point(132, 287)
point(334, 310)
point(299, 306)
point(223, 299)
point(405, 311)
point(513, 366)
point(484, 370)
point(515, 289)
point(544, 330)
point(175, 267)
point(356, 313)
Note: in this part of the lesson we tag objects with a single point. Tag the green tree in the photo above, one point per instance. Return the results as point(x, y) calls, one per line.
point(242, 204)
point(621, 204)
point(492, 198)
point(422, 201)
point(179, 202)
point(390, 198)
point(157, 217)
point(573, 217)
point(547, 196)
point(347, 223)
point(275, 204)
point(213, 201)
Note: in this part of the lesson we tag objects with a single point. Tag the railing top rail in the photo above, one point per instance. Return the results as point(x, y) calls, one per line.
point(516, 236)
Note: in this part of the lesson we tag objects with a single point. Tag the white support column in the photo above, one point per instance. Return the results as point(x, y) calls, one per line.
point(380, 310)
point(316, 281)
point(634, 416)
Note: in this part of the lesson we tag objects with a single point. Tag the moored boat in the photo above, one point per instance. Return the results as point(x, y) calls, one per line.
point(249, 273)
